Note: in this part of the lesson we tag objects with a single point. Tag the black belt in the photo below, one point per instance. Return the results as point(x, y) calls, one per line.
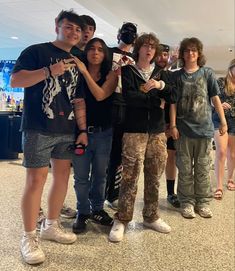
point(97, 129)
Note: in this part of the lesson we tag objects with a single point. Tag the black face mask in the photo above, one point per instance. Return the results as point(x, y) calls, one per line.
point(128, 37)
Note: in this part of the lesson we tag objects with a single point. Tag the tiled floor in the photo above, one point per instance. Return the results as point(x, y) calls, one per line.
point(193, 245)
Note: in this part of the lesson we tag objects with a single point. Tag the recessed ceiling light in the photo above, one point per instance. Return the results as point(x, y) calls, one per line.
point(14, 38)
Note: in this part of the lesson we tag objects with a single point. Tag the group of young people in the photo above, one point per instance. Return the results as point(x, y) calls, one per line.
point(110, 111)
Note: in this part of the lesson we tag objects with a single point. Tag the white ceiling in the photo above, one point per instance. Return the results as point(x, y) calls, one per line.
point(212, 21)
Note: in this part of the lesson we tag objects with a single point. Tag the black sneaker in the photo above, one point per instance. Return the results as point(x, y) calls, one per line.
point(102, 218)
point(173, 200)
point(80, 223)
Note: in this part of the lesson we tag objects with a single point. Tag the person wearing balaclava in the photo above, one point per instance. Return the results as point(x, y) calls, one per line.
point(120, 56)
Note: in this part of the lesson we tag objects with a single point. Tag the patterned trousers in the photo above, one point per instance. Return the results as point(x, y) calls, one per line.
point(149, 150)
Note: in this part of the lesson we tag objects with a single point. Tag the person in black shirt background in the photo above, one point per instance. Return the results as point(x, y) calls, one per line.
point(120, 56)
point(162, 61)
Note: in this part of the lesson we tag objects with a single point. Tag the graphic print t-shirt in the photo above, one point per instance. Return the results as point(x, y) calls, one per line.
point(194, 110)
point(48, 104)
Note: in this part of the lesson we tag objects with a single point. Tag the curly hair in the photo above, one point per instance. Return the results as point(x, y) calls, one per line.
point(142, 39)
point(195, 42)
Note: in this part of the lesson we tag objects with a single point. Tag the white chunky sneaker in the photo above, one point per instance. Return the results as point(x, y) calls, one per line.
point(187, 211)
point(31, 250)
point(158, 225)
point(117, 231)
point(55, 232)
point(204, 211)
point(67, 212)
point(113, 205)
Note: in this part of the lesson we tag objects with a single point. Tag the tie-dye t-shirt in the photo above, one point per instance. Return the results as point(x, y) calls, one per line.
point(194, 109)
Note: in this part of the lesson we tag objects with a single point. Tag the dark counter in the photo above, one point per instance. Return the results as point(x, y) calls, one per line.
point(10, 135)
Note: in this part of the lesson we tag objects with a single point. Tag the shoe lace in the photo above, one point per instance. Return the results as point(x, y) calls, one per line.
point(33, 242)
point(189, 210)
point(60, 228)
point(41, 217)
point(67, 210)
point(205, 210)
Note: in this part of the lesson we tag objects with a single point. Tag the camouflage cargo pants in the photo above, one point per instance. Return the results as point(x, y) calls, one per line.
point(138, 149)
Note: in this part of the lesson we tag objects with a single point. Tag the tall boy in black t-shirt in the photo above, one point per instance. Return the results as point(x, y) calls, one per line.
point(52, 108)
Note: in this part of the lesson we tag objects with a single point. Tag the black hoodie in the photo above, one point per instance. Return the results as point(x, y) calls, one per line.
point(143, 112)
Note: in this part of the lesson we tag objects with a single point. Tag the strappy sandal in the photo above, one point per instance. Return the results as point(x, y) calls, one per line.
point(218, 194)
point(231, 185)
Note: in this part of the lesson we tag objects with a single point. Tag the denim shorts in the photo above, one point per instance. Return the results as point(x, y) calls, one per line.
point(230, 123)
point(39, 148)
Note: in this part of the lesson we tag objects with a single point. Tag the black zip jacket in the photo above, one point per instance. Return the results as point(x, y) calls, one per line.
point(143, 112)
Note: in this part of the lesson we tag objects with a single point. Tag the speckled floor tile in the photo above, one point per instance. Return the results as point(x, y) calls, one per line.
point(193, 245)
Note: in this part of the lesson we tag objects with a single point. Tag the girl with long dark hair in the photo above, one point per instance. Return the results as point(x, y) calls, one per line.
point(98, 83)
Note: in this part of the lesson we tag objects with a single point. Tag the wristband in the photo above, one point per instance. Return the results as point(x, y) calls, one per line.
point(46, 72)
point(172, 127)
point(82, 131)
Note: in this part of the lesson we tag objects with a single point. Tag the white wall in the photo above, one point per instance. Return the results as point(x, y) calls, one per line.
point(10, 53)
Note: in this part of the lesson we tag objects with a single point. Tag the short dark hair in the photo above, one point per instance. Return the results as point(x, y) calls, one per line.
point(128, 27)
point(71, 16)
point(106, 64)
point(164, 48)
point(88, 20)
point(145, 38)
point(201, 61)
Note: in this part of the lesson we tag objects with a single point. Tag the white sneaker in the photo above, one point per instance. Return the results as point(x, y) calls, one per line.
point(188, 211)
point(158, 225)
point(55, 232)
point(67, 212)
point(117, 231)
point(31, 250)
point(204, 211)
point(113, 205)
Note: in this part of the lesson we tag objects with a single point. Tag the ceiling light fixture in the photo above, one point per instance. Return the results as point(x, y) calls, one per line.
point(14, 38)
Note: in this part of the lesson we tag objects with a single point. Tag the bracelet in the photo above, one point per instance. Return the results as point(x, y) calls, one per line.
point(172, 127)
point(82, 131)
point(47, 72)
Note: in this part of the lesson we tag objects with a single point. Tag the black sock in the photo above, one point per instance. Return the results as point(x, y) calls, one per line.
point(170, 187)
